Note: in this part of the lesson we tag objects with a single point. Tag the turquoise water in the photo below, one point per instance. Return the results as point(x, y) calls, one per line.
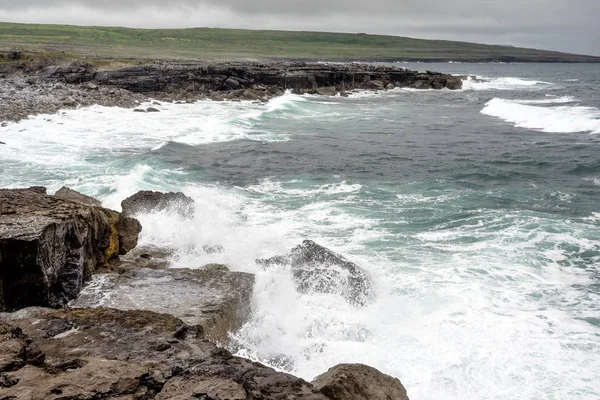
point(475, 212)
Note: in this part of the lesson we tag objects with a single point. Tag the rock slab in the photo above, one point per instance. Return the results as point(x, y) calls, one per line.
point(213, 297)
point(50, 245)
point(135, 355)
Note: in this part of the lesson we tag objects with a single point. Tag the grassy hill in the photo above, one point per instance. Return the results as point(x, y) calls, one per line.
point(213, 43)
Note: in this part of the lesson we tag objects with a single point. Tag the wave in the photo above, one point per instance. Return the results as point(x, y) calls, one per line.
point(504, 83)
point(549, 100)
point(551, 119)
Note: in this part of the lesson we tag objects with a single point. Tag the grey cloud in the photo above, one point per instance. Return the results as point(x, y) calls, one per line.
point(569, 26)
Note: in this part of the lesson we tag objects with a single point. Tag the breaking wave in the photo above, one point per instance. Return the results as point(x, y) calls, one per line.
point(551, 119)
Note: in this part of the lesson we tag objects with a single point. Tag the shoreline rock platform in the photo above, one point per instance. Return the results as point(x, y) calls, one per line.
point(28, 87)
point(160, 338)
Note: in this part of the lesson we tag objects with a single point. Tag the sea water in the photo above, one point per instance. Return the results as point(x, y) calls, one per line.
point(476, 213)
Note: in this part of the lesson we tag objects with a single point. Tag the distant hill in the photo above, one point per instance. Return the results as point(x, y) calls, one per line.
point(214, 43)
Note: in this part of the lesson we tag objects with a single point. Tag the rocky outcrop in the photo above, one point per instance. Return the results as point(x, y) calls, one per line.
point(318, 269)
point(212, 297)
point(70, 194)
point(300, 77)
point(50, 245)
point(105, 353)
point(50, 86)
point(359, 382)
point(150, 201)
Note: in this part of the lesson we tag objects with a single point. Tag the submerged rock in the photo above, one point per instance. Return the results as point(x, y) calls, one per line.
point(50, 245)
point(318, 269)
point(359, 382)
point(107, 353)
point(213, 297)
point(150, 201)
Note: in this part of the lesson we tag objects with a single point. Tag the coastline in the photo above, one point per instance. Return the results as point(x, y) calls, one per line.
point(33, 85)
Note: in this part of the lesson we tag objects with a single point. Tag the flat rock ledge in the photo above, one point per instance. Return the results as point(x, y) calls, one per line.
point(105, 353)
point(211, 297)
point(50, 245)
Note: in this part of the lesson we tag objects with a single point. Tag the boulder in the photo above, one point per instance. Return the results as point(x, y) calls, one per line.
point(231, 84)
point(50, 245)
point(70, 194)
point(359, 382)
point(150, 201)
point(454, 82)
point(152, 109)
point(213, 297)
point(318, 269)
point(106, 353)
point(376, 84)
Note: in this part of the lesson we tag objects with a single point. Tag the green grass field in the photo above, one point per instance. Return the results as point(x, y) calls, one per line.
point(212, 43)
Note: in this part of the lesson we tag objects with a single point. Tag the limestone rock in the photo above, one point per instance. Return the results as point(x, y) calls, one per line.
point(106, 353)
point(376, 84)
point(70, 194)
point(50, 245)
point(318, 269)
point(212, 297)
point(359, 382)
point(150, 201)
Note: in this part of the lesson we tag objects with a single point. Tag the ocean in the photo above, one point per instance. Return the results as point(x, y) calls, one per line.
point(475, 212)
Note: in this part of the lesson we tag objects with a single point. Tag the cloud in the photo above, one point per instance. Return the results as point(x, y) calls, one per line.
point(550, 24)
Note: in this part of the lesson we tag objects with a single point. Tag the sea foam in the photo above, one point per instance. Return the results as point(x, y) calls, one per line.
point(503, 83)
point(553, 119)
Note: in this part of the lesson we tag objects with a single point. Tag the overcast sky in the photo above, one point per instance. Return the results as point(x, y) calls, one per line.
point(565, 25)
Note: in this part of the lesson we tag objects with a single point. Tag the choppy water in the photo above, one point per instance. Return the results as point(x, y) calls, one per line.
point(476, 213)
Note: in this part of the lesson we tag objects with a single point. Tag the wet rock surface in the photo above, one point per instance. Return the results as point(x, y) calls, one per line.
point(318, 269)
point(105, 353)
point(359, 382)
point(49, 246)
point(150, 201)
point(212, 297)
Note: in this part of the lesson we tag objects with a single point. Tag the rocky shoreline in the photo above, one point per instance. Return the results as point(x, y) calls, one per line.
point(29, 86)
point(71, 284)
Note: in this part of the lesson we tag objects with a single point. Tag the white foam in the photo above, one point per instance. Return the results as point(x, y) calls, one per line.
point(503, 83)
point(555, 119)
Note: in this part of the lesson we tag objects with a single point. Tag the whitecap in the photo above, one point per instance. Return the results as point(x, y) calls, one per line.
point(502, 83)
point(554, 119)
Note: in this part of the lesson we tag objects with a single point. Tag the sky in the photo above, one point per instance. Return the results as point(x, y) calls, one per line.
point(571, 26)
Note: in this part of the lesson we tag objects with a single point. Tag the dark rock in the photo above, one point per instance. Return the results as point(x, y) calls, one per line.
point(49, 246)
point(70, 194)
point(139, 110)
point(149, 201)
point(454, 82)
point(376, 84)
point(213, 297)
point(115, 354)
point(422, 84)
point(318, 269)
point(13, 55)
point(359, 382)
point(2, 143)
point(152, 109)
point(231, 84)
